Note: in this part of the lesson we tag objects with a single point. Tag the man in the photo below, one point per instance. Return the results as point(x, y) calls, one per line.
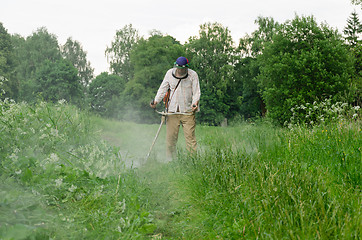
point(184, 96)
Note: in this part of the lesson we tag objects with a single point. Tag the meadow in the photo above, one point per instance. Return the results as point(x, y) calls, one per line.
point(66, 174)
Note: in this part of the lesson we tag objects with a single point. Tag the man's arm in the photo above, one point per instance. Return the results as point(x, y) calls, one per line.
point(161, 92)
point(196, 93)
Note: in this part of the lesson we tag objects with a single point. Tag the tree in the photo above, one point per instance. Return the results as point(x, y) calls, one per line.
point(30, 54)
point(212, 56)
point(73, 52)
point(251, 103)
point(353, 29)
point(304, 63)
point(59, 80)
point(7, 65)
point(150, 59)
point(253, 45)
point(357, 2)
point(118, 54)
point(353, 32)
point(104, 94)
point(250, 47)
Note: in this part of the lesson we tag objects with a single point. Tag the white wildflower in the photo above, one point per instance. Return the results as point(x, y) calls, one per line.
point(123, 222)
point(48, 125)
point(355, 116)
point(42, 104)
point(58, 182)
point(119, 229)
point(72, 188)
point(54, 132)
point(13, 157)
point(62, 101)
point(36, 193)
point(43, 136)
point(123, 205)
point(53, 158)
point(18, 172)
point(79, 196)
point(356, 108)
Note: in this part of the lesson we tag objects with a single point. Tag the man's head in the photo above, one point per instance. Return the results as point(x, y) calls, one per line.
point(182, 62)
point(181, 65)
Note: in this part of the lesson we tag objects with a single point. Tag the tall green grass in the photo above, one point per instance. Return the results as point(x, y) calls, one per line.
point(262, 182)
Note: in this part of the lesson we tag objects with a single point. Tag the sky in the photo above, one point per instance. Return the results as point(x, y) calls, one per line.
point(95, 23)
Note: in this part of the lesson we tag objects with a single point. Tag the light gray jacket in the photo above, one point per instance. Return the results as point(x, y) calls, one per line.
point(187, 93)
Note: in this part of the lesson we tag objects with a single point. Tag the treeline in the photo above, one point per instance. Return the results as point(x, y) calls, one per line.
point(277, 67)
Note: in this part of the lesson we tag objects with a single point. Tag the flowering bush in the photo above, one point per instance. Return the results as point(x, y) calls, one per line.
point(322, 112)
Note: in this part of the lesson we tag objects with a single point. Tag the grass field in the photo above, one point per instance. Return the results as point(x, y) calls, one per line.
point(68, 175)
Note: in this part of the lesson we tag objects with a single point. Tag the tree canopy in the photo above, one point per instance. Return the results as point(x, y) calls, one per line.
point(104, 94)
point(59, 80)
point(212, 57)
point(304, 63)
point(118, 54)
point(73, 51)
point(7, 65)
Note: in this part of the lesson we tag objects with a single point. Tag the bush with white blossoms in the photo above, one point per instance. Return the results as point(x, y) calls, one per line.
point(322, 112)
point(53, 150)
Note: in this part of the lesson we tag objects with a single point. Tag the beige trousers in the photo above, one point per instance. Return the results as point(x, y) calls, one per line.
point(188, 123)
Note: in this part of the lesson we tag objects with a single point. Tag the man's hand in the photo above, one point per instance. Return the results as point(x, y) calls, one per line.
point(153, 104)
point(194, 107)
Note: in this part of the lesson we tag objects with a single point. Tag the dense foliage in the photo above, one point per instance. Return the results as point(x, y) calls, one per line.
point(7, 64)
point(118, 54)
point(304, 63)
point(73, 52)
point(104, 94)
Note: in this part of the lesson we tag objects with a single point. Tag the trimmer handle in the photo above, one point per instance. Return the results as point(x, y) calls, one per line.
point(153, 104)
